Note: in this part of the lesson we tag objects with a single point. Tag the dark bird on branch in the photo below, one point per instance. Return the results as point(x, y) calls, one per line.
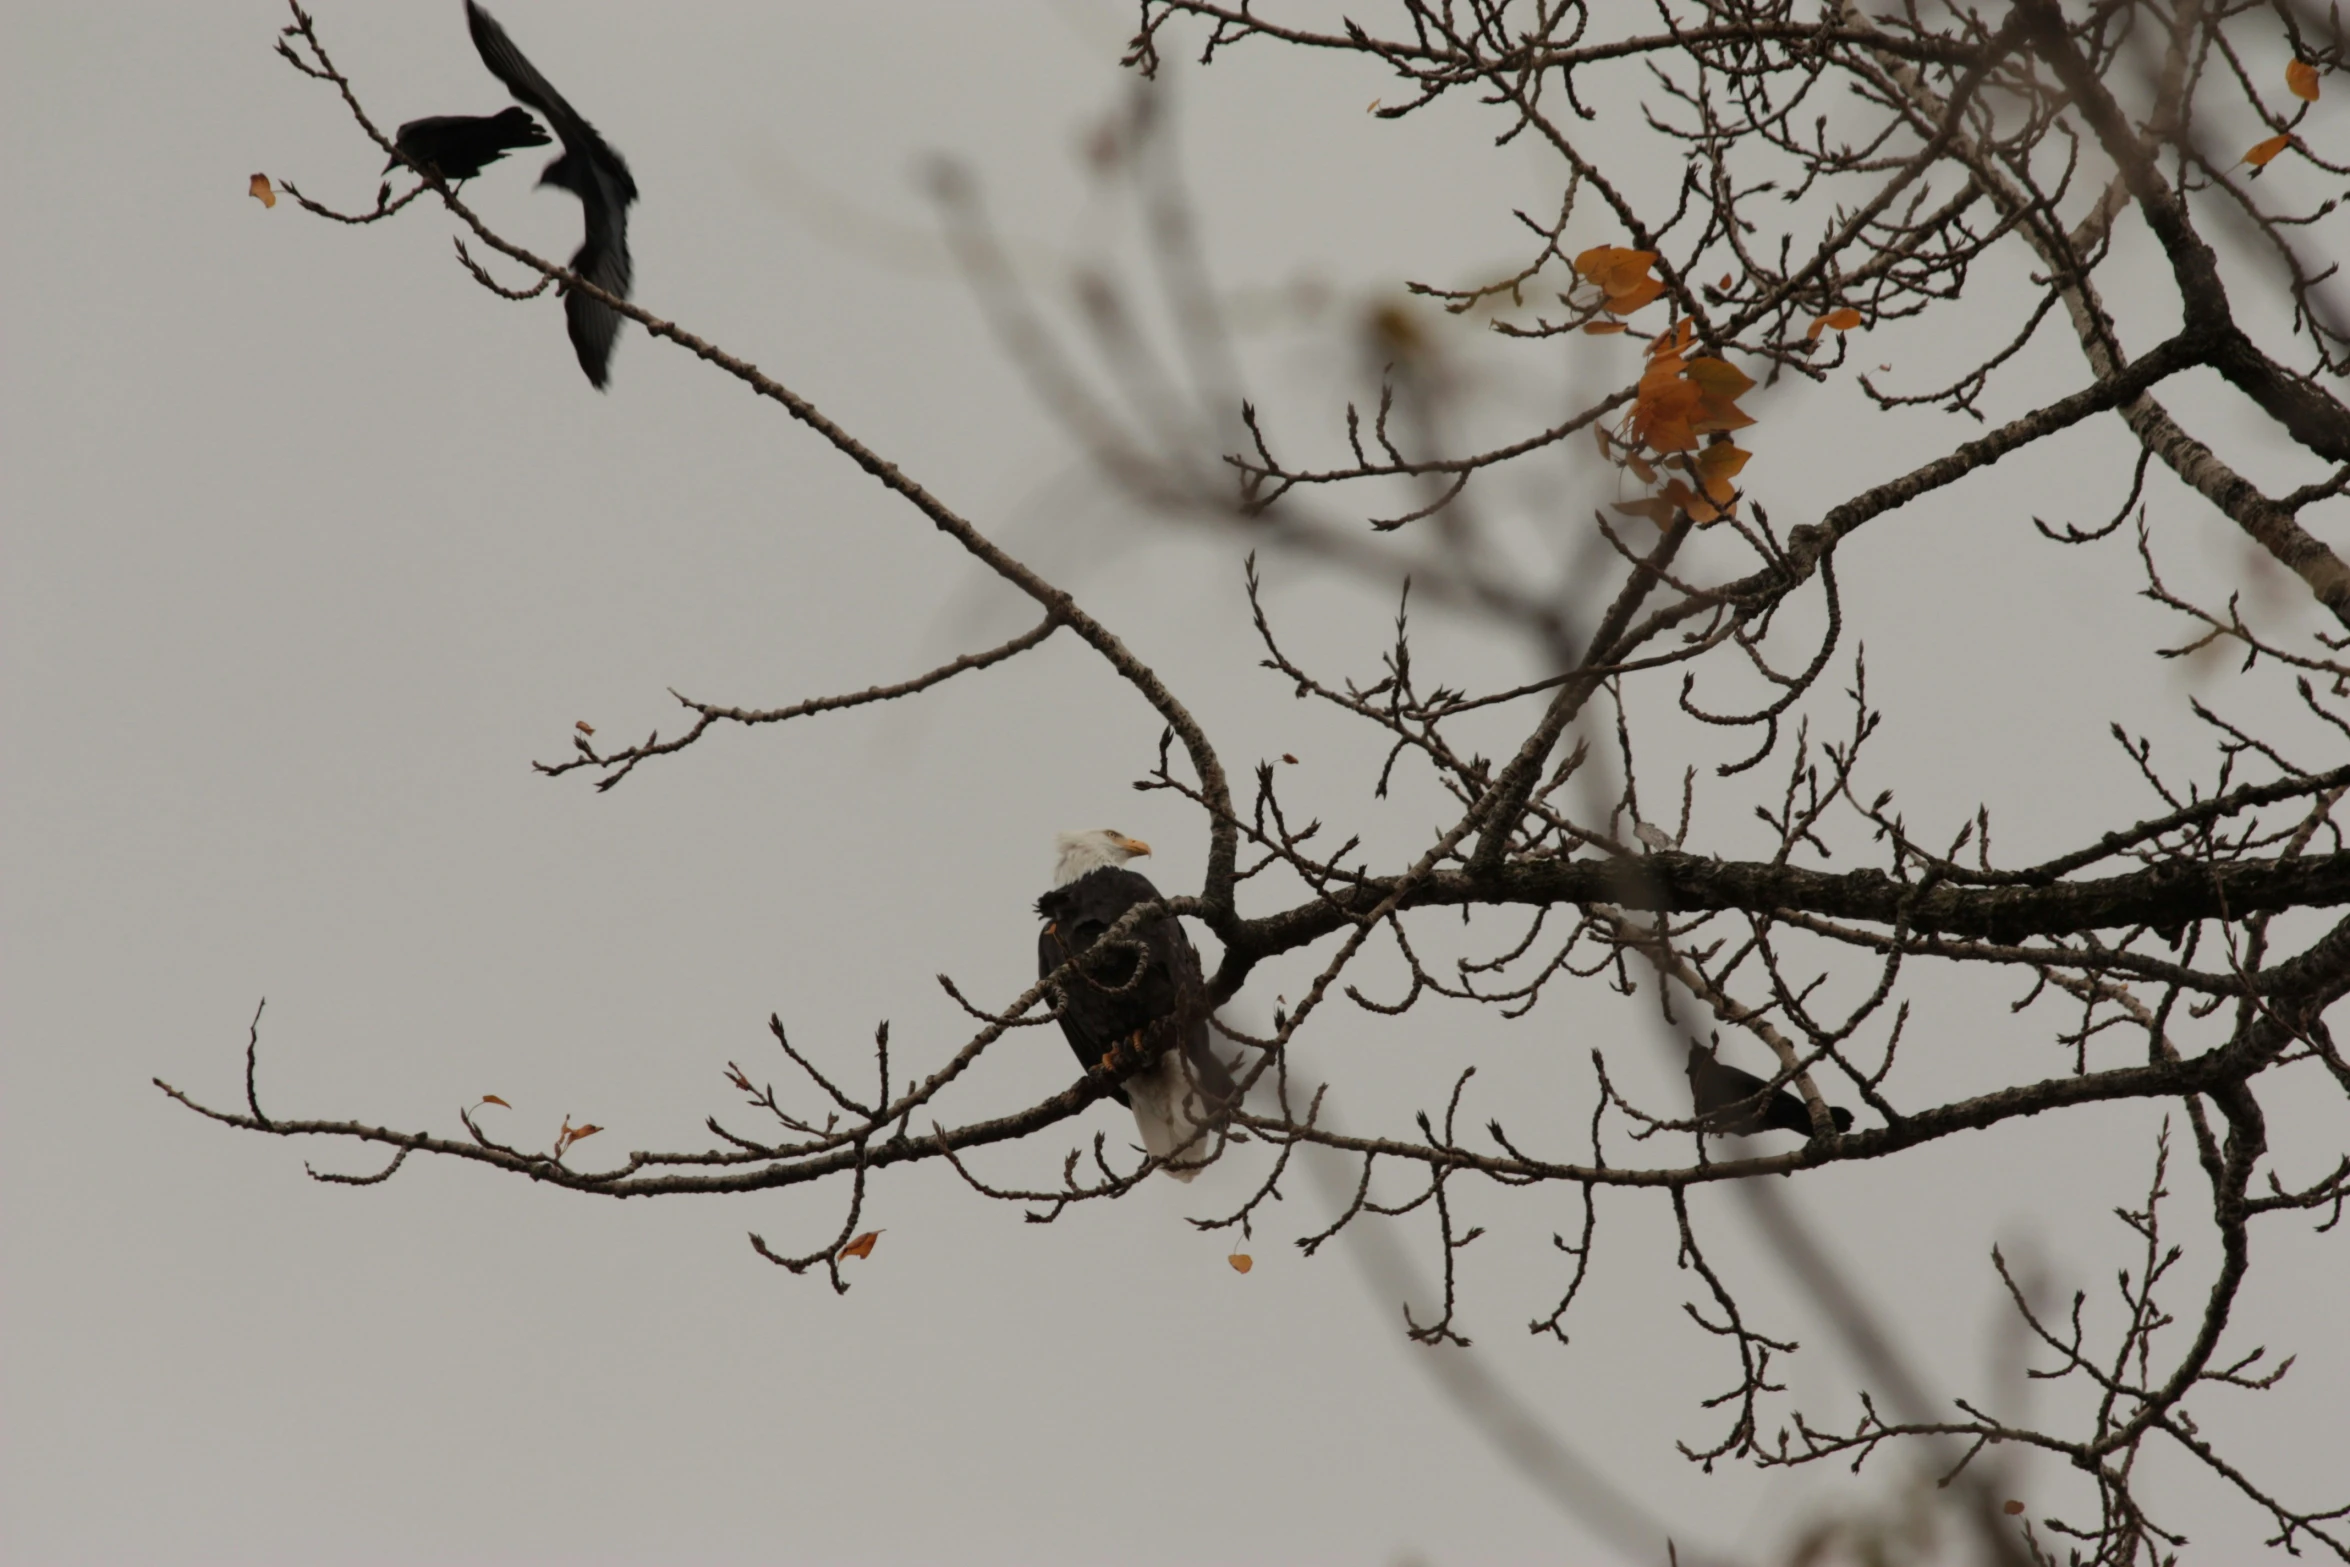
point(590, 170)
point(1728, 1101)
point(1137, 1010)
point(459, 146)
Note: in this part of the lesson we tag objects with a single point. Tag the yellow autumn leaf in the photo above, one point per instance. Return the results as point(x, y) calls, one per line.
point(1241, 1261)
point(2301, 80)
point(862, 1246)
point(493, 1099)
point(259, 189)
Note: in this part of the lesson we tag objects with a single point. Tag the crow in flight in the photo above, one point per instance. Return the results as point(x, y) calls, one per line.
point(1726, 1101)
point(459, 146)
point(590, 170)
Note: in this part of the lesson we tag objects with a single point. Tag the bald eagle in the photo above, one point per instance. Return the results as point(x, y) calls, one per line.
point(1139, 1011)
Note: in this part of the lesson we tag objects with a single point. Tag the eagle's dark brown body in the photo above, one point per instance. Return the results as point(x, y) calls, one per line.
point(1139, 997)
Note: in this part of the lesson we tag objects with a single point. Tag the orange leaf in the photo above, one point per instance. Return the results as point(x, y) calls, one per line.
point(584, 727)
point(1660, 420)
point(575, 1133)
point(2261, 156)
point(1646, 473)
point(1725, 283)
point(493, 1099)
point(1620, 274)
point(1700, 510)
point(2301, 78)
point(1659, 512)
point(1843, 318)
point(862, 1246)
point(259, 189)
point(1663, 379)
point(1603, 264)
point(1602, 328)
point(1673, 339)
point(1720, 419)
point(1721, 383)
point(1291, 760)
point(1241, 1261)
point(2011, 1506)
point(1719, 380)
point(1643, 292)
point(1717, 465)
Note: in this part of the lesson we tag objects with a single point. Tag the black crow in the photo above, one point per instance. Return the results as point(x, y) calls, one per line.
point(459, 146)
point(1726, 1101)
point(590, 170)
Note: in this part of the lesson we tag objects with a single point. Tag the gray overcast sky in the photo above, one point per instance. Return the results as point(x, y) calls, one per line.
point(310, 546)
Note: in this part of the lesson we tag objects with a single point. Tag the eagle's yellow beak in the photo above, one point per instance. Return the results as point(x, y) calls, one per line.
point(1134, 846)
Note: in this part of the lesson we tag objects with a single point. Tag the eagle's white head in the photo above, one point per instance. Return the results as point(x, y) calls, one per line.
point(1090, 851)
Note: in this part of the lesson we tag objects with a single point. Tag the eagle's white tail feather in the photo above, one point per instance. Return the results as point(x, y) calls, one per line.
point(1165, 1103)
